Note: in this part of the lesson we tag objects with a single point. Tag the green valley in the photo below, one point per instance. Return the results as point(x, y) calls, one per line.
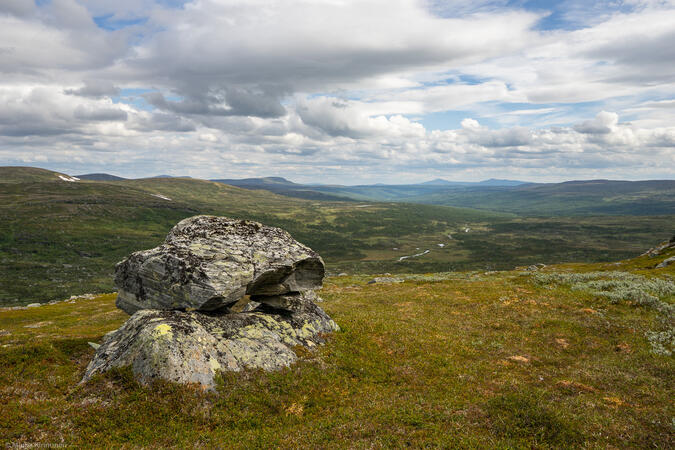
point(60, 238)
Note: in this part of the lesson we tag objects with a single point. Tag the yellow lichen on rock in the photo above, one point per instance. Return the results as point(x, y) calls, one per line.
point(163, 330)
point(214, 364)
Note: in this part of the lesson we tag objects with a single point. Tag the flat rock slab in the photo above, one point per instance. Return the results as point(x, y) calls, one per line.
point(191, 347)
point(208, 263)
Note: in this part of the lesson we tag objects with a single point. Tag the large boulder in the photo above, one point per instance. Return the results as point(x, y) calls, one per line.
point(219, 294)
point(190, 347)
point(208, 263)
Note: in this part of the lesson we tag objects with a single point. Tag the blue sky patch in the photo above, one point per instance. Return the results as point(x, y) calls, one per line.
point(110, 23)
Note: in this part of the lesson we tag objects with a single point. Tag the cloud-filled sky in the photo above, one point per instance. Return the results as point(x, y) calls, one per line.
point(340, 91)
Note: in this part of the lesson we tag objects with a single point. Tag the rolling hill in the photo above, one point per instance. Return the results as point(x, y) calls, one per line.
point(573, 198)
point(592, 197)
point(60, 238)
point(15, 174)
point(100, 177)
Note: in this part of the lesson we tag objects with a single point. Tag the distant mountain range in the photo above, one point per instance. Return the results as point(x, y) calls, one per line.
point(368, 192)
point(280, 181)
point(490, 182)
point(264, 181)
point(571, 198)
point(61, 235)
point(585, 197)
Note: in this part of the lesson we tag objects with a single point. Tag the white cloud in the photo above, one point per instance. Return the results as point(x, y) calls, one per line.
point(604, 123)
point(344, 88)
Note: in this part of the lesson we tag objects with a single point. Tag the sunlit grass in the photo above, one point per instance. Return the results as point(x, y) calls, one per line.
point(457, 359)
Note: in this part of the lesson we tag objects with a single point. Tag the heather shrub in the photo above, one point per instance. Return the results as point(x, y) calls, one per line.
point(617, 287)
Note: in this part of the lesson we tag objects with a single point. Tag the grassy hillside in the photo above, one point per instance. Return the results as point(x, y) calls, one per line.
point(576, 198)
point(565, 357)
point(62, 238)
point(27, 175)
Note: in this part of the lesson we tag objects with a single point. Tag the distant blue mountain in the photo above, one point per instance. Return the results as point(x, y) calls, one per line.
point(440, 182)
point(498, 182)
point(100, 177)
point(263, 181)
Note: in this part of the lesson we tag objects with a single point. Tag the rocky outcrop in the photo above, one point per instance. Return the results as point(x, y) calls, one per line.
point(208, 263)
point(219, 294)
point(191, 347)
point(666, 262)
point(659, 249)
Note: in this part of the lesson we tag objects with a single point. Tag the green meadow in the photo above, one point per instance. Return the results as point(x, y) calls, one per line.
point(512, 359)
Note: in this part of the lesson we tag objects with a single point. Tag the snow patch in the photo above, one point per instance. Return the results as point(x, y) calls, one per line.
point(163, 197)
point(69, 179)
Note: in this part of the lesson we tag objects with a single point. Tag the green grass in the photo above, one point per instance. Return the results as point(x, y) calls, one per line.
point(573, 198)
point(463, 359)
point(59, 239)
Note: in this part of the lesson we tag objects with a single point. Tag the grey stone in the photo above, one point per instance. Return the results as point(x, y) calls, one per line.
point(218, 295)
point(656, 251)
point(666, 262)
point(209, 263)
point(191, 347)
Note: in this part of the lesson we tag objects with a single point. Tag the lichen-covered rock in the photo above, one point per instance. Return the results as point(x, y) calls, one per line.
point(208, 263)
point(190, 347)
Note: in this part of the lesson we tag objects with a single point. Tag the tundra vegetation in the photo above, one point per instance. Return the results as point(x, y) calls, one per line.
point(454, 355)
point(60, 238)
point(558, 357)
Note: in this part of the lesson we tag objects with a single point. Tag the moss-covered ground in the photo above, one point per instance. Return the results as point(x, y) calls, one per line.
point(466, 359)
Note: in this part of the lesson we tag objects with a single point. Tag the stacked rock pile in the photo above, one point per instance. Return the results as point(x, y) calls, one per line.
point(219, 294)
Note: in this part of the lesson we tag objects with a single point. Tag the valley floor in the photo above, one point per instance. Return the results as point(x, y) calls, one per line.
point(568, 356)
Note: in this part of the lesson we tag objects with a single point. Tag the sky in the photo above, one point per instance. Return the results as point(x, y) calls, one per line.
point(340, 91)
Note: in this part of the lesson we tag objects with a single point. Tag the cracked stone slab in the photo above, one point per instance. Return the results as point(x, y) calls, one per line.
point(208, 263)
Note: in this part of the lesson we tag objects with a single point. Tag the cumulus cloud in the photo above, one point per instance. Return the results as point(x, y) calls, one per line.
point(230, 101)
point(336, 117)
point(20, 8)
point(603, 123)
point(95, 88)
point(364, 89)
